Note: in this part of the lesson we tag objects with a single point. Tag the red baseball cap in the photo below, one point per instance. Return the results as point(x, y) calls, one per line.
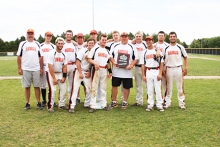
point(80, 35)
point(30, 31)
point(48, 33)
point(148, 37)
point(93, 32)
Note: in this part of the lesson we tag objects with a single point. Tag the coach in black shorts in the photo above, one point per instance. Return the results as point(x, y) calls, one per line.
point(126, 53)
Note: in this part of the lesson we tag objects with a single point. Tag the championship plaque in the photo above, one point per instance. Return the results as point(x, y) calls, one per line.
point(123, 60)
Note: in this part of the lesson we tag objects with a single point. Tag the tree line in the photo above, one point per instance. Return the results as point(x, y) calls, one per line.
point(12, 46)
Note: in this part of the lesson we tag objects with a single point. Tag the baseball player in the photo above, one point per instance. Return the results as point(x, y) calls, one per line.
point(152, 74)
point(70, 50)
point(123, 75)
point(161, 45)
point(174, 70)
point(57, 65)
point(45, 48)
point(141, 47)
point(82, 74)
point(30, 66)
point(99, 57)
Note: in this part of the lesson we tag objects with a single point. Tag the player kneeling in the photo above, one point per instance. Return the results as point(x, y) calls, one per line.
point(152, 74)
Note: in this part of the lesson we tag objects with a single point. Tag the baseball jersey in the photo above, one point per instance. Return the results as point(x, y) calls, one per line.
point(159, 46)
point(30, 53)
point(173, 55)
point(126, 49)
point(57, 60)
point(44, 50)
point(70, 51)
point(140, 48)
point(147, 58)
point(99, 55)
point(82, 55)
point(79, 47)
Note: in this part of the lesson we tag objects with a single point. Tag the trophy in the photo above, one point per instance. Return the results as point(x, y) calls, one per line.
point(123, 60)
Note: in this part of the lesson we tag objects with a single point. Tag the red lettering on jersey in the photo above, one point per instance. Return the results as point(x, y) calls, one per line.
point(30, 48)
point(149, 56)
point(58, 59)
point(173, 52)
point(45, 49)
point(139, 49)
point(103, 55)
point(123, 51)
point(69, 50)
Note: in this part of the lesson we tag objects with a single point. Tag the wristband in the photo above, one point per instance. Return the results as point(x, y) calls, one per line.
point(64, 75)
point(110, 70)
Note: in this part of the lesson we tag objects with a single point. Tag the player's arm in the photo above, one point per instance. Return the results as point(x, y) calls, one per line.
point(51, 70)
point(159, 77)
point(19, 65)
point(74, 42)
point(133, 41)
point(143, 69)
point(94, 63)
point(185, 70)
point(78, 65)
point(109, 70)
point(64, 69)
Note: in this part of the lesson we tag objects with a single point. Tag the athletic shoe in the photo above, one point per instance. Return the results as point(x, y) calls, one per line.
point(39, 106)
point(124, 105)
point(86, 106)
point(182, 107)
point(91, 110)
point(160, 109)
point(50, 110)
point(44, 103)
point(55, 105)
point(136, 104)
point(149, 109)
point(71, 110)
point(113, 105)
point(166, 106)
point(77, 100)
point(64, 107)
point(106, 108)
point(27, 106)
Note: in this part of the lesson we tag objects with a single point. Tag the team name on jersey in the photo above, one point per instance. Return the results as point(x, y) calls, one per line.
point(123, 51)
point(58, 59)
point(149, 56)
point(103, 55)
point(30, 48)
point(45, 50)
point(139, 49)
point(173, 52)
point(69, 50)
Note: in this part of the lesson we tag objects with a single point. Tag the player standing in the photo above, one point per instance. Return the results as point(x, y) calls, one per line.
point(99, 57)
point(45, 48)
point(174, 71)
point(152, 74)
point(57, 65)
point(30, 66)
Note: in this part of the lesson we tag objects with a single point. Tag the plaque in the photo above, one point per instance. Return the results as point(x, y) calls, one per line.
point(123, 60)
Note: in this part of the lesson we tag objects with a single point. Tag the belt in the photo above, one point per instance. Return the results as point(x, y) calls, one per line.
point(173, 66)
point(70, 63)
point(149, 68)
point(102, 66)
point(138, 65)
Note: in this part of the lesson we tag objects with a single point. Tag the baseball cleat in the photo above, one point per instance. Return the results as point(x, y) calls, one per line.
point(39, 106)
point(77, 100)
point(71, 110)
point(113, 105)
point(64, 107)
point(27, 106)
point(50, 110)
point(182, 107)
point(160, 109)
point(92, 110)
point(44, 103)
point(124, 105)
point(136, 104)
point(148, 109)
point(166, 106)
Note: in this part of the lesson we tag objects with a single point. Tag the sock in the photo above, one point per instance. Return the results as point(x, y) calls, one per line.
point(43, 93)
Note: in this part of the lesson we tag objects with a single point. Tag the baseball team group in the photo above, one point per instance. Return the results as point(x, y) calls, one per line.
point(71, 63)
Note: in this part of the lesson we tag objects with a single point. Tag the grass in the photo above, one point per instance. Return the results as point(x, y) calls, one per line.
point(205, 56)
point(196, 126)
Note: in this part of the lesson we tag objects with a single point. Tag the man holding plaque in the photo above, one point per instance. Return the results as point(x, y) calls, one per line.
point(123, 56)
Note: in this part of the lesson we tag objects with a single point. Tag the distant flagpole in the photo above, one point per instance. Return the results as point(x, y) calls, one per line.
point(93, 13)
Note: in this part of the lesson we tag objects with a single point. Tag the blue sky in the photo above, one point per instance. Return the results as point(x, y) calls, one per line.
point(190, 19)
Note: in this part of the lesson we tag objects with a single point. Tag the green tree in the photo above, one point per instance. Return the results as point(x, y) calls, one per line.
point(131, 36)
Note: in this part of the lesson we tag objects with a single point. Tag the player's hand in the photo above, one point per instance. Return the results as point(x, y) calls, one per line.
point(144, 78)
point(20, 72)
point(164, 73)
point(63, 80)
point(96, 66)
point(55, 82)
point(158, 53)
point(159, 77)
point(115, 64)
point(109, 76)
point(185, 71)
point(129, 67)
point(88, 74)
point(81, 76)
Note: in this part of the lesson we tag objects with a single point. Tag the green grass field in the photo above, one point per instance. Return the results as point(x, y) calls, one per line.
point(198, 125)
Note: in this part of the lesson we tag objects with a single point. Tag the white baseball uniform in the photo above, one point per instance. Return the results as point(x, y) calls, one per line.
point(173, 61)
point(71, 52)
point(141, 47)
point(58, 60)
point(161, 47)
point(152, 71)
point(100, 56)
point(45, 49)
point(82, 56)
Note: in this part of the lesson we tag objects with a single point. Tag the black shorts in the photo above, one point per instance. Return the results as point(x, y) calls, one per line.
point(82, 84)
point(127, 82)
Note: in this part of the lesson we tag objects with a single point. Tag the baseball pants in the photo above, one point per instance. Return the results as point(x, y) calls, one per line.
point(164, 85)
point(44, 79)
point(70, 75)
point(138, 82)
